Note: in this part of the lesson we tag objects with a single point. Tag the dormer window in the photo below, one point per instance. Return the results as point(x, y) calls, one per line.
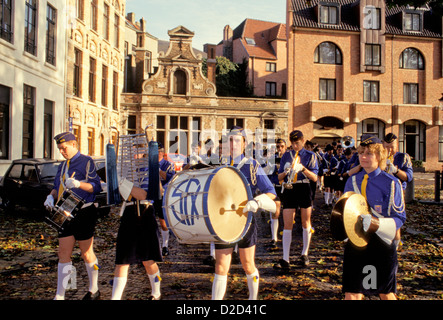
point(250, 41)
point(329, 14)
point(371, 18)
point(412, 21)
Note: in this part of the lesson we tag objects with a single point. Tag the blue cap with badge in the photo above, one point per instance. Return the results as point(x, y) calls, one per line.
point(64, 137)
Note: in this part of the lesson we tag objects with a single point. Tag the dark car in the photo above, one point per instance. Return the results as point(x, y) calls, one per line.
point(27, 183)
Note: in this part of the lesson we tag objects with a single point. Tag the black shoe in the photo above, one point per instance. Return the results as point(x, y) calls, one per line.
point(165, 251)
point(304, 260)
point(273, 245)
point(282, 265)
point(92, 296)
point(209, 261)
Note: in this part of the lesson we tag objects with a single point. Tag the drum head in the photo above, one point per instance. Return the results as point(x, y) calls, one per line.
point(227, 196)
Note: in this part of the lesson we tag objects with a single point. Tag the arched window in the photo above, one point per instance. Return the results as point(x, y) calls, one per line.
point(327, 52)
point(179, 82)
point(411, 58)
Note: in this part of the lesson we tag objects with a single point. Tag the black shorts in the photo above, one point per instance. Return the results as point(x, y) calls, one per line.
point(138, 237)
point(249, 240)
point(375, 261)
point(82, 227)
point(297, 197)
point(158, 207)
point(329, 181)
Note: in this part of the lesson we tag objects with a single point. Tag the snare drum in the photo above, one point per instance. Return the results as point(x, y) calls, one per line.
point(64, 211)
point(206, 205)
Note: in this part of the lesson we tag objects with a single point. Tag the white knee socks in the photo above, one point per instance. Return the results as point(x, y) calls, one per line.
point(165, 238)
point(219, 286)
point(155, 281)
point(92, 269)
point(253, 280)
point(63, 275)
point(286, 242)
point(306, 240)
point(274, 228)
point(118, 286)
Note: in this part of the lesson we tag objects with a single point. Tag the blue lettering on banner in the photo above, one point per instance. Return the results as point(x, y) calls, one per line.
point(191, 184)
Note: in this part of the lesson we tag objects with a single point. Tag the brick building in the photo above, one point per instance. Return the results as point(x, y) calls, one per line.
point(263, 45)
point(182, 106)
point(359, 67)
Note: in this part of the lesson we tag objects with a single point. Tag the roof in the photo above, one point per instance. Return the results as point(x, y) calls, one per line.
point(263, 33)
point(305, 16)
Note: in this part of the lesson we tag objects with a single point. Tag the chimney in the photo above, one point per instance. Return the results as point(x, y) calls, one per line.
point(227, 33)
point(131, 17)
point(211, 62)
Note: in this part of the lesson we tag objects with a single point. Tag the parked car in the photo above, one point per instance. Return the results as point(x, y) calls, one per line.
point(27, 183)
point(177, 159)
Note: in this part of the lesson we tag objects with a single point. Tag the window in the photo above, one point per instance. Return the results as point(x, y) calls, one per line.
point(327, 89)
point(411, 58)
point(132, 124)
point(412, 139)
point(28, 121)
point(271, 88)
point(372, 54)
point(371, 126)
point(47, 131)
point(104, 85)
point(271, 66)
point(76, 82)
point(115, 91)
point(79, 9)
point(51, 22)
point(92, 66)
point(329, 14)
point(250, 41)
point(5, 101)
point(179, 82)
point(178, 134)
point(371, 91)
point(268, 124)
point(440, 144)
point(327, 52)
point(371, 18)
point(161, 130)
point(93, 17)
point(30, 27)
point(230, 122)
point(410, 93)
point(106, 21)
point(91, 140)
point(116, 31)
point(6, 20)
point(412, 22)
point(148, 62)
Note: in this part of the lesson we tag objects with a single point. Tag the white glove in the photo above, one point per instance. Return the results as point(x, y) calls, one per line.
point(260, 202)
point(391, 168)
point(49, 203)
point(298, 167)
point(366, 221)
point(72, 183)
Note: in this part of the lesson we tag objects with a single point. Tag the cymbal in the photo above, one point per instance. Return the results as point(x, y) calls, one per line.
point(336, 223)
point(355, 206)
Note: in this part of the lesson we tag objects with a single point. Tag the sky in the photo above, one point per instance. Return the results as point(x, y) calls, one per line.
point(206, 18)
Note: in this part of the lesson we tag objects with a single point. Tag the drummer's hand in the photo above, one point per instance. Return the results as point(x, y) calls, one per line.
point(72, 183)
point(49, 203)
point(252, 206)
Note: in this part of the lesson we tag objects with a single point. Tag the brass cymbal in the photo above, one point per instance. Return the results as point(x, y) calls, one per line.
point(336, 223)
point(355, 206)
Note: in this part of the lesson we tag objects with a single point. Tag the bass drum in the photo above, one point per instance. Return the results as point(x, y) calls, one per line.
point(206, 205)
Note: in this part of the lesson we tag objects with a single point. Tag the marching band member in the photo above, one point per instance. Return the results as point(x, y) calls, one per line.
point(398, 164)
point(137, 239)
point(258, 180)
point(329, 168)
point(166, 171)
point(342, 172)
point(78, 174)
point(303, 166)
point(384, 195)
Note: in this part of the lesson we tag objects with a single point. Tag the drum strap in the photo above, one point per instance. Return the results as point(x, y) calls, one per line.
point(63, 173)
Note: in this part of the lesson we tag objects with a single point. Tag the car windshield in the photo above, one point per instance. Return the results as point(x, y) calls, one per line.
point(48, 170)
